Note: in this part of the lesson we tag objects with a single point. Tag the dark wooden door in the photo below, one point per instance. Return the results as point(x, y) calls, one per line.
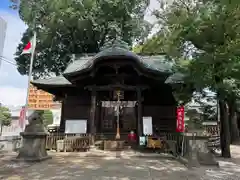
point(127, 119)
point(107, 119)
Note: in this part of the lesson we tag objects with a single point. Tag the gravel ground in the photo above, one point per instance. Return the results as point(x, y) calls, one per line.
point(113, 166)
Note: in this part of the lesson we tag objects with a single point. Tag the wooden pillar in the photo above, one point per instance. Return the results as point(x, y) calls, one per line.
point(97, 117)
point(139, 112)
point(63, 119)
point(92, 115)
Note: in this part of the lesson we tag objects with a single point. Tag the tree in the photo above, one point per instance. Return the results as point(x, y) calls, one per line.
point(47, 117)
point(77, 27)
point(5, 117)
point(207, 33)
point(155, 45)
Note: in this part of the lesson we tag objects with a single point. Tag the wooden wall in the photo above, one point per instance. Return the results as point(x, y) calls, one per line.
point(163, 117)
point(75, 107)
point(158, 102)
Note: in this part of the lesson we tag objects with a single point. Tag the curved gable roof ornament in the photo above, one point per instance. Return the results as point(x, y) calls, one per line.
point(111, 49)
point(115, 43)
point(117, 49)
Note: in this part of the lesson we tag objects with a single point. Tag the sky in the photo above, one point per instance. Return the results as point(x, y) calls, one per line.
point(13, 86)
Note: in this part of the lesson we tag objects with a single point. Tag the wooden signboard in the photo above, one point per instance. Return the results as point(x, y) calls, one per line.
point(41, 100)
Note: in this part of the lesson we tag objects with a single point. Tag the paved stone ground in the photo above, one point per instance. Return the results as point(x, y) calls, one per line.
point(98, 165)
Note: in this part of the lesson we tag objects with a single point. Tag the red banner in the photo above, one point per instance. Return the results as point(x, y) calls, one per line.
point(180, 119)
point(22, 117)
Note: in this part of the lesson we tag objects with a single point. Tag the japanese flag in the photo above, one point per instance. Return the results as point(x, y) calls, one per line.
point(29, 48)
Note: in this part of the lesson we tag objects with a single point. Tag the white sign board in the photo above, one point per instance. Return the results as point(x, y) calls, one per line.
point(56, 116)
point(76, 126)
point(147, 126)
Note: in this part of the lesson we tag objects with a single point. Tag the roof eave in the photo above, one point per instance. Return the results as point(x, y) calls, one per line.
point(68, 75)
point(53, 89)
point(52, 85)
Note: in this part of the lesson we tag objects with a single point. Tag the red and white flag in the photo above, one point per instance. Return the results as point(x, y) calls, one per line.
point(30, 47)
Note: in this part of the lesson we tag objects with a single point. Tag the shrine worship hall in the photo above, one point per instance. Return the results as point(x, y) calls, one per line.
point(108, 96)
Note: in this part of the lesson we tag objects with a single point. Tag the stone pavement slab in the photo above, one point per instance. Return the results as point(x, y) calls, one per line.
point(76, 166)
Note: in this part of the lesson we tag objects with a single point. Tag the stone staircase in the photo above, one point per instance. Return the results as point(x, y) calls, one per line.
point(112, 145)
point(108, 142)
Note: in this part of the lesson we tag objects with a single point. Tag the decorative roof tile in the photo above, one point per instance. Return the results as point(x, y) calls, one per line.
point(155, 63)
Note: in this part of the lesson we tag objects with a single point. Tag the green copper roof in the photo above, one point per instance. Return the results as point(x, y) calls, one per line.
point(114, 50)
point(117, 49)
point(175, 78)
point(54, 81)
point(77, 65)
point(158, 63)
point(154, 63)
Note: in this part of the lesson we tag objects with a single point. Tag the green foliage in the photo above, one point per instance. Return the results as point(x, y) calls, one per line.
point(213, 30)
point(47, 116)
point(66, 27)
point(203, 37)
point(209, 113)
point(207, 34)
point(5, 116)
point(157, 44)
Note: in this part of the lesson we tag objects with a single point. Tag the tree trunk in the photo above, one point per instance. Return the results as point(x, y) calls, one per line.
point(224, 130)
point(234, 131)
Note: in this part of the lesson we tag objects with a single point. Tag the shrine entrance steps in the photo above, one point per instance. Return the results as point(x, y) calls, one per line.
point(107, 141)
point(113, 145)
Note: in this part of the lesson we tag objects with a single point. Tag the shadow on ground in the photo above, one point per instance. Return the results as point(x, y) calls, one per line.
point(75, 166)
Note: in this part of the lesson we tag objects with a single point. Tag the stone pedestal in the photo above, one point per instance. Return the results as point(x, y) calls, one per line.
point(192, 154)
point(199, 154)
point(33, 147)
point(205, 157)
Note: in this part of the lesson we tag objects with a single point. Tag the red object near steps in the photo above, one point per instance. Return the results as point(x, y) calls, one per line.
point(132, 137)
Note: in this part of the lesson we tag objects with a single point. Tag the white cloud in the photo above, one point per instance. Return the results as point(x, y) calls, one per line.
point(12, 96)
point(12, 84)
